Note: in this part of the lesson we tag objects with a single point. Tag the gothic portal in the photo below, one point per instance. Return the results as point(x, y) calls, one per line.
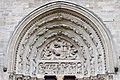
point(61, 39)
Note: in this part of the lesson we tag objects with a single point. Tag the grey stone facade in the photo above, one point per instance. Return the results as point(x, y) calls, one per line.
point(13, 11)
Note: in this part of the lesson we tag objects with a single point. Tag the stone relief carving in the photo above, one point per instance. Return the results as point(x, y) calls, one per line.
point(20, 78)
point(85, 65)
point(20, 67)
point(27, 67)
point(79, 68)
point(59, 68)
point(110, 77)
point(93, 39)
point(34, 69)
point(62, 66)
point(29, 53)
point(60, 50)
point(101, 78)
point(34, 29)
point(26, 78)
point(92, 60)
point(41, 68)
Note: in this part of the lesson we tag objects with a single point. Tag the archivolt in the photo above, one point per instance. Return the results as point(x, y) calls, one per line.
point(66, 33)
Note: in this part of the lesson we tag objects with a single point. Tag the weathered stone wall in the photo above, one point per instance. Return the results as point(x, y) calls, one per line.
point(12, 12)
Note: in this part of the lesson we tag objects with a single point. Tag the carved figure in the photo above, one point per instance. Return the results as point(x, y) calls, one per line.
point(79, 68)
point(41, 68)
point(60, 49)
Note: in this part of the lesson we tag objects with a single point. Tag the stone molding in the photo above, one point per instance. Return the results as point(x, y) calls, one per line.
point(60, 24)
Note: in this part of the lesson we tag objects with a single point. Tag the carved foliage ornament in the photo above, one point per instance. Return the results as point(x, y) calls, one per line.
point(63, 42)
point(60, 42)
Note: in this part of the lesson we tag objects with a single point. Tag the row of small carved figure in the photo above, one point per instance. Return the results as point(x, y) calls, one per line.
point(60, 68)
